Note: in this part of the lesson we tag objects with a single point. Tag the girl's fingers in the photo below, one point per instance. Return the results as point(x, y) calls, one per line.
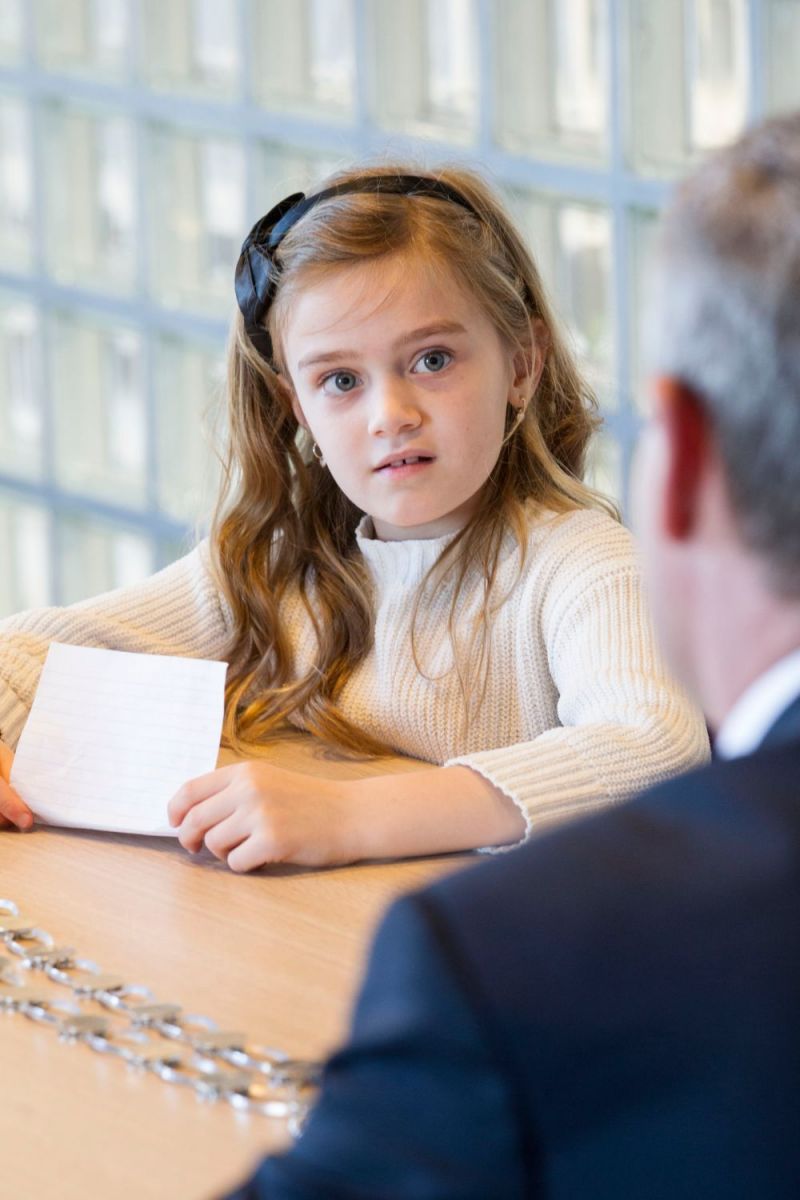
point(227, 835)
point(13, 810)
point(202, 817)
point(195, 791)
point(248, 855)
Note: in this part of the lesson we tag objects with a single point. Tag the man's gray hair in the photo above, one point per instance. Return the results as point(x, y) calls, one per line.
point(725, 318)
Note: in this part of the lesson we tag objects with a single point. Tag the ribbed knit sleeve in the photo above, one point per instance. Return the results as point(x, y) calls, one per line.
point(624, 722)
point(177, 611)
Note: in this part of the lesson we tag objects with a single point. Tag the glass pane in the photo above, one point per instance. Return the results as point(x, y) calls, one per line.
point(90, 199)
point(95, 556)
point(581, 67)
point(87, 36)
point(214, 42)
point(12, 32)
point(171, 549)
point(193, 45)
point(332, 53)
point(16, 184)
point(718, 84)
point(551, 77)
point(642, 240)
point(584, 284)
point(189, 389)
point(781, 76)
point(25, 581)
point(221, 196)
point(571, 246)
point(99, 410)
point(196, 219)
point(281, 170)
point(21, 418)
point(315, 70)
point(690, 80)
point(604, 466)
point(452, 62)
point(425, 78)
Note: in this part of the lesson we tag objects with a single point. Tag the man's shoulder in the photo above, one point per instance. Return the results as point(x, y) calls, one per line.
point(705, 828)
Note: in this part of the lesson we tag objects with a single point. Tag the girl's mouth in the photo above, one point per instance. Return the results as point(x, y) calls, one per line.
point(401, 467)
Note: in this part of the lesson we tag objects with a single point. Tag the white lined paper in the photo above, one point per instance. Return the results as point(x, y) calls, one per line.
point(111, 736)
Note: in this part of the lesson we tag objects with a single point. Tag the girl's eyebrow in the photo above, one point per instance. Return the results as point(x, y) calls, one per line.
point(312, 360)
point(429, 330)
point(414, 335)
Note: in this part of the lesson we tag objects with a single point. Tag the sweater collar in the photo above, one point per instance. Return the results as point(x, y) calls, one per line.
point(400, 561)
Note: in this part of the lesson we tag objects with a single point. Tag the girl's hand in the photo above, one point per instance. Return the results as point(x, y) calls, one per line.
point(252, 813)
point(13, 810)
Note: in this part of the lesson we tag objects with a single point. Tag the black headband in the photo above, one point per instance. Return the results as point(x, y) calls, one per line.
point(255, 274)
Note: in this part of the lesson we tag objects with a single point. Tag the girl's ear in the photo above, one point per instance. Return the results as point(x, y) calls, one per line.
point(540, 336)
point(529, 361)
point(298, 411)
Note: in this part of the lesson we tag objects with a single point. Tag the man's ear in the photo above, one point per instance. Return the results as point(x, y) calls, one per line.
point(689, 449)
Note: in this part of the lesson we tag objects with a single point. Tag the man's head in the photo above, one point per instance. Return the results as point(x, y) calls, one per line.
point(717, 489)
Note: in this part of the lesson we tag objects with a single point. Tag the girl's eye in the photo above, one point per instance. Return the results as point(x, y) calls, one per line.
point(339, 382)
point(432, 361)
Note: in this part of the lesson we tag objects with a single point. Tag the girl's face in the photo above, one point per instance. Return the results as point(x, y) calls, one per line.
point(404, 383)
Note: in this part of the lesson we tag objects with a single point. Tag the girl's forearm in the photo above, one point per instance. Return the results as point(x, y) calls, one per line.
point(431, 812)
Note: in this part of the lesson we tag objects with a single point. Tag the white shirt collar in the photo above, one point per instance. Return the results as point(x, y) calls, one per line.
point(758, 708)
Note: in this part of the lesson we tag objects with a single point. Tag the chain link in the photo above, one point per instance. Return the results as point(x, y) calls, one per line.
point(180, 1048)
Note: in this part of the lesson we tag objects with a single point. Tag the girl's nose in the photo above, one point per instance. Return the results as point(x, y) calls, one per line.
point(393, 408)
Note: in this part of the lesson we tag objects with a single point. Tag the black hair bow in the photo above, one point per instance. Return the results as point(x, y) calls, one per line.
point(255, 270)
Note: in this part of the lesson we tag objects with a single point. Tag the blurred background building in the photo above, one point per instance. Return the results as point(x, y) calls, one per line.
point(139, 140)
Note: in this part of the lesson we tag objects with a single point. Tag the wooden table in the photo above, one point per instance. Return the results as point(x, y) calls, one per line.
point(277, 954)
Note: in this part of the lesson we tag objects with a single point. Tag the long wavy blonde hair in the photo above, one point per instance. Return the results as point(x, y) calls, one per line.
point(283, 527)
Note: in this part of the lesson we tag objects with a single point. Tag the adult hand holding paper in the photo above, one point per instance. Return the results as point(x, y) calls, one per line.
point(111, 736)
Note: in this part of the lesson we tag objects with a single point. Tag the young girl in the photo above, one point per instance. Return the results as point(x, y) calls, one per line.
point(404, 557)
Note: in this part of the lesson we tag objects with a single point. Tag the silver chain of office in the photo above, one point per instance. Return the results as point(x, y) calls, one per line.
point(125, 1020)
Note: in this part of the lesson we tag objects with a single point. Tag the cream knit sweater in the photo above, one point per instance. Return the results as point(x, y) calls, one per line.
point(579, 711)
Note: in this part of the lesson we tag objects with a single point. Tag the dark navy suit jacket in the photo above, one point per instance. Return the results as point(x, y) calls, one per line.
point(611, 1012)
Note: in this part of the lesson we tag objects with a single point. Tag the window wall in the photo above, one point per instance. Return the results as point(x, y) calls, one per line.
point(139, 141)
